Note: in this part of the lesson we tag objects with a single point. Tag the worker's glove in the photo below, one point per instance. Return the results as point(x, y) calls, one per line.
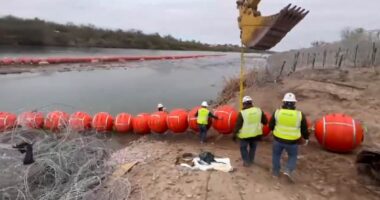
point(306, 142)
point(234, 138)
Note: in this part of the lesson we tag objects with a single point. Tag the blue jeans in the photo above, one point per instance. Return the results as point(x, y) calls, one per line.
point(203, 132)
point(278, 148)
point(247, 150)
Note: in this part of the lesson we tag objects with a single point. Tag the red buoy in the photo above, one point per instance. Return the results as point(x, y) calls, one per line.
point(123, 123)
point(56, 121)
point(192, 120)
point(7, 121)
point(266, 129)
point(102, 122)
point(140, 124)
point(157, 122)
point(177, 121)
point(339, 133)
point(34, 120)
point(80, 121)
point(227, 117)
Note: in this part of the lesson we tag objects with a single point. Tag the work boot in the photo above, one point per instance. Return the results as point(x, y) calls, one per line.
point(289, 177)
point(246, 164)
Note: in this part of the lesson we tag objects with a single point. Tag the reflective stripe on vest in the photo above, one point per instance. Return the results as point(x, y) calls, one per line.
point(252, 123)
point(203, 116)
point(288, 124)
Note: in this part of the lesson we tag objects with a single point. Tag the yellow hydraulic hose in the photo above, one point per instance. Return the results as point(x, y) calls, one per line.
point(242, 66)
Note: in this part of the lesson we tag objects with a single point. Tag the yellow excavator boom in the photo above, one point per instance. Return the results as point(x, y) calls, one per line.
point(264, 32)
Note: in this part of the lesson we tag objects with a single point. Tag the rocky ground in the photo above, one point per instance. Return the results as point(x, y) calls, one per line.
point(320, 174)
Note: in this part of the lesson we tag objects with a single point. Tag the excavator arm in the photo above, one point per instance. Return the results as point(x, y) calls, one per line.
point(264, 32)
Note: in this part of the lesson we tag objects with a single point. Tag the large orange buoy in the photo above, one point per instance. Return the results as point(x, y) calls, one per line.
point(157, 122)
point(339, 133)
point(266, 129)
point(140, 124)
point(34, 120)
point(192, 120)
point(56, 121)
point(123, 123)
point(80, 121)
point(177, 121)
point(227, 117)
point(102, 122)
point(7, 121)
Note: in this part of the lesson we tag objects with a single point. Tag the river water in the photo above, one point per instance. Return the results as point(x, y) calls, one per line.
point(134, 88)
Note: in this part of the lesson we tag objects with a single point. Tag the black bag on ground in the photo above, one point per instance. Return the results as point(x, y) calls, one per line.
point(207, 157)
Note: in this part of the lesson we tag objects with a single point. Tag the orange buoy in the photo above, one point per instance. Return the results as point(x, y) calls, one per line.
point(34, 120)
point(123, 123)
point(56, 121)
point(80, 121)
point(192, 120)
point(177, 121)
point(266, 129)
point(140, 124)
point(339, 133)
point(227, 119)
point(102, 122)
point(7, 121)
point(157, 122)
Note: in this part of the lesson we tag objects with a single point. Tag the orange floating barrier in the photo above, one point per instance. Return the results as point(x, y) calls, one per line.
point(227, 119)
point(266, 129)
point(80, 121)
point(157, 122)
point(140, 124)
point(102, 122)
point(192, 120)
point(34, 120)
point(7, 121)
point(177, 121)
point(56, 121)
point(339, 133)
point(123, 123)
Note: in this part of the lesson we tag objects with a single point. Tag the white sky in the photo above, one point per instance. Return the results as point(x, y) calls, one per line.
point(209, 21)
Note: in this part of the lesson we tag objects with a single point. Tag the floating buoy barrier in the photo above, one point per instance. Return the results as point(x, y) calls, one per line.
point(157, 122)
point(177, 121)
point(33, 120)
point(339, 133)
point(80, 121)
point(72, 60)
point(140, 124)
point(227, 117)
point(102, 122)
point(56, 121)
point(266, 129)
point(7, 121)
point(123, 123)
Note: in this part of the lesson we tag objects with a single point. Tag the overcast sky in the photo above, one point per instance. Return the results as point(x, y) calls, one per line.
point(210, 21)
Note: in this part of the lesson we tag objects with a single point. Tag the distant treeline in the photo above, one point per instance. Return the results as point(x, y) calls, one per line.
point(37, 32)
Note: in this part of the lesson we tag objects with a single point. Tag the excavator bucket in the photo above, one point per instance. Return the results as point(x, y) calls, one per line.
point(264, 32)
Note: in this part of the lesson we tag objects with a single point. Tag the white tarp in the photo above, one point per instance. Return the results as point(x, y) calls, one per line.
point(221, 164)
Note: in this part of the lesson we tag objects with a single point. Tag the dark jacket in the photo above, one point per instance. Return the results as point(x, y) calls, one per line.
point(304, 128)
point(240, 121)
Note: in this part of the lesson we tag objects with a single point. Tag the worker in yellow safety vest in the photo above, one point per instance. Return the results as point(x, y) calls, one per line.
point(289, 126)
point(202, 115)
point(249, 130)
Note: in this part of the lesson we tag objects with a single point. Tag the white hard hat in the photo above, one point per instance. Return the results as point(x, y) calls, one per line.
point(160, 105)
point(289, 97)
point(204, 104)
point(247, 99)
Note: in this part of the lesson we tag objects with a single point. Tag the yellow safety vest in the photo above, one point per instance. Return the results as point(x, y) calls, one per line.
point(252, 123)
point(203, 114)
point(288, 124)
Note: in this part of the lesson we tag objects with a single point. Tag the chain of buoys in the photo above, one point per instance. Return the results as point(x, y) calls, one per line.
point(72, 60)
point(335, 132)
